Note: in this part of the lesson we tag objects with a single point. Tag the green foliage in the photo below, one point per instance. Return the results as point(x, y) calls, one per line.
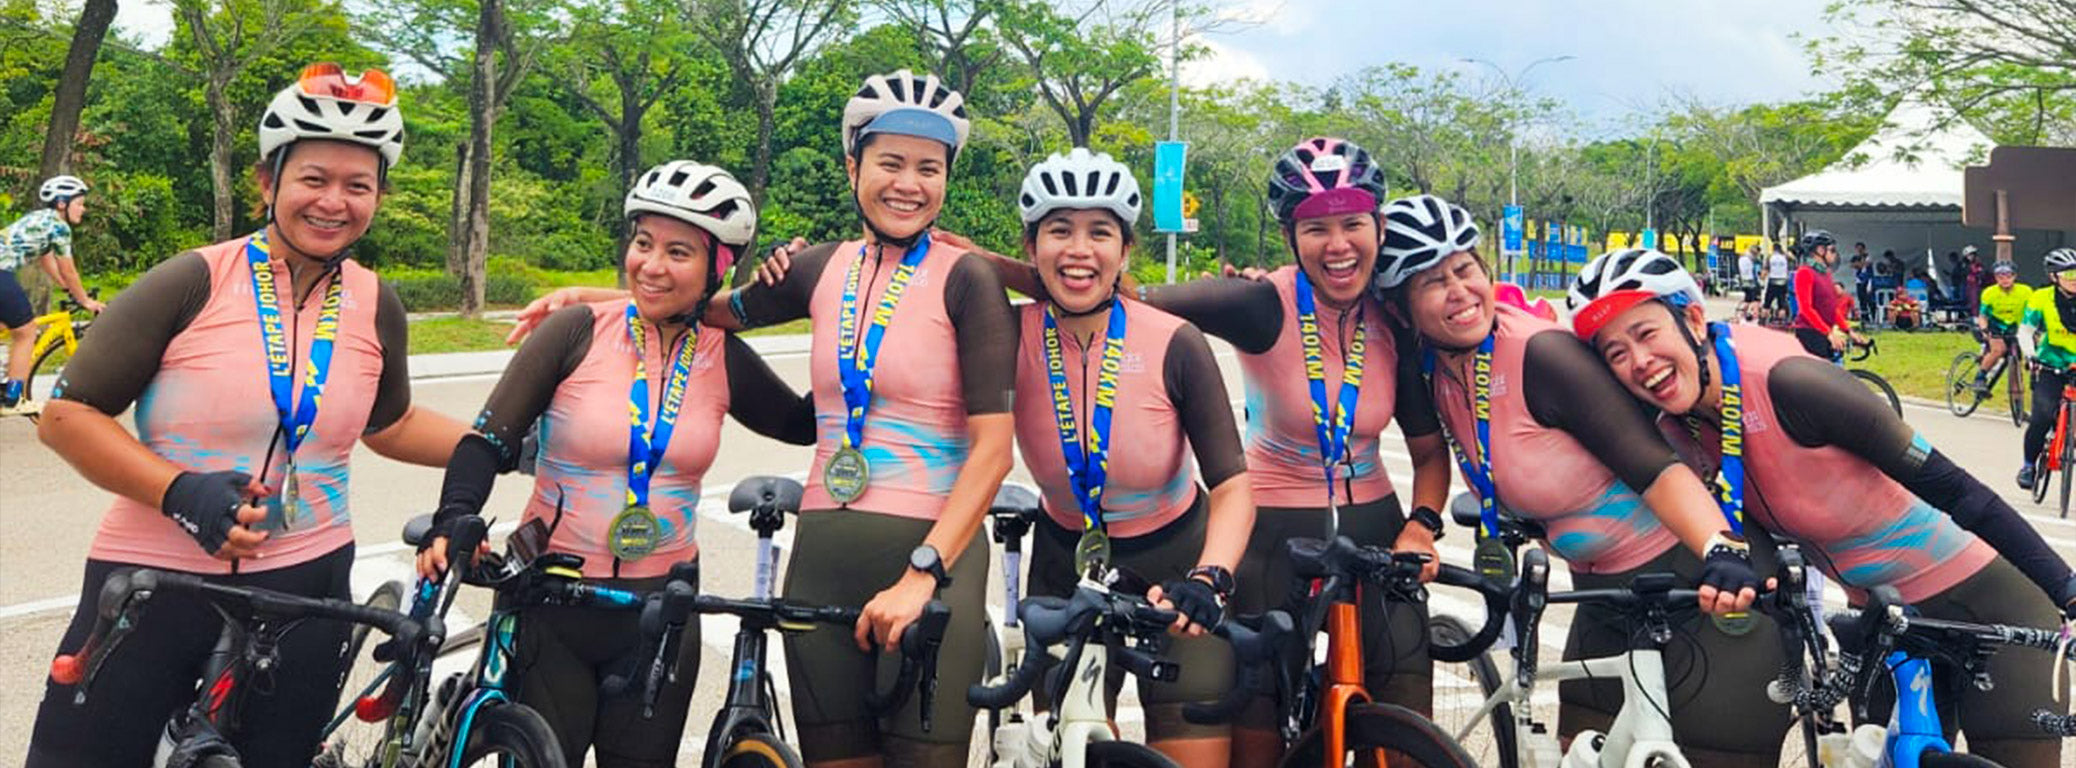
point(425, 290)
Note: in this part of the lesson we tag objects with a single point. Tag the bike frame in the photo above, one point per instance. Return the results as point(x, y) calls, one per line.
point(1344, 686)
point(1081, 716)
point(57, 329)
point(746, 709)
point(1914, 724)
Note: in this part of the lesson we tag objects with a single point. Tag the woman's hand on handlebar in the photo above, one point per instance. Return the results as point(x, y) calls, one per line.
point(1197, 607)
point(890, 612)
point(1417, 539)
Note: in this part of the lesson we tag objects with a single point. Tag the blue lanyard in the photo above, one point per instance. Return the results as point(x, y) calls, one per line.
point(1333, 430)
point(855, 362)
point(1729, 482)
point(644, 447)
point(1479, 473)
point(274, 334)
point(1087, 469)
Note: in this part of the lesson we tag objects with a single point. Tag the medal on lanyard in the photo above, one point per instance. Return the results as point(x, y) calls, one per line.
point(1333, 427)
point(1728, 482)
point(286, 507)
point(847, 473)
point(1087, 455)
point(635, 532)
point(1492, 557)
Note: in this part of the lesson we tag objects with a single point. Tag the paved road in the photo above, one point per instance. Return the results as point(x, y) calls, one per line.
point(50, 516)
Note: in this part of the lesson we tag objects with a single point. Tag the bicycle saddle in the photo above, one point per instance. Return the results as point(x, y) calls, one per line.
point(765, 491)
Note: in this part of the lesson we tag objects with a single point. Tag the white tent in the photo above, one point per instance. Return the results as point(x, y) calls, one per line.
point(1900, 190)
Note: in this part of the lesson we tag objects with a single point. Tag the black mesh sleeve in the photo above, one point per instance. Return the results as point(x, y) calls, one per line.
point(1574, 392)
point(528, 385)
point(764, 305)
point(121, 355)
point(762, 401)
point(987, 335)
point(1198, 391)
point(393, 389)
point(1246, 313)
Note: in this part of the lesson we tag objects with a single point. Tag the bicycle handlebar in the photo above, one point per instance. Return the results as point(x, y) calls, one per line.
point(1092, 613)
point(126, 592)
point(1257, 641)
point(2059, 725)
point(665, 613)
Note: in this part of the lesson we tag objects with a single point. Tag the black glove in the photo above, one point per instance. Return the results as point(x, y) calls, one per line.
point(205, 504)
point(1729, 568)
point(1195, 599)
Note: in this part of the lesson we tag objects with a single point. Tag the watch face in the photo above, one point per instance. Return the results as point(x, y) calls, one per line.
point(924, 558)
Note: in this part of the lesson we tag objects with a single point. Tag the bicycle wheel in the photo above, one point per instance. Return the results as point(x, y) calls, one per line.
point(758, 750)
point(1457, 696)
point(512, 735)
point(990, 668)
point(1880, 387)
point(2016, 391)
point(2040, 472)
point(29, 383)
point(1413, 740)
point(1960, 378)
point(350, 741)
point(2068, 447)
point(1124, 754)
point(1931, 759)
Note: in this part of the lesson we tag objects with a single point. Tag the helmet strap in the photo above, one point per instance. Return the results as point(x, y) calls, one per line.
point(1700, 348)
point(1101, 306)
point(274, 193)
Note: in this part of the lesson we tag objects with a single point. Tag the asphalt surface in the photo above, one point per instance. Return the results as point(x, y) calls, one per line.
point(50, 516)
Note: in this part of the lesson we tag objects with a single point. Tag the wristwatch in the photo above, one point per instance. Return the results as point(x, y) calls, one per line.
point(926, 559)
point(1221, 580)
point(1429, 519)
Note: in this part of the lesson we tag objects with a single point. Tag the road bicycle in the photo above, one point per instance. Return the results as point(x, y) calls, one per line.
point(2058, 455)
point(1325, 713)
point(61, 331)
point(1015, 509)
point(1076, 639)
point(246, 655)
point(1886, 637)
point(402, 718)
point(1875, 383)
point(1962, 394)
point(747, 731)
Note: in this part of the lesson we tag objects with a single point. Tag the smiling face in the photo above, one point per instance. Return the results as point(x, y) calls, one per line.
point(899, 181)
point(1645, 350)
point(1451, 304)
point(667, 263)
point(73, 211)
point(326, 196)
point(1079, 255)
point(1337, 254)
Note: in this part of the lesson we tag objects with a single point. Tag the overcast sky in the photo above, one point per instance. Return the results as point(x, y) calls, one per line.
point(1629, 53)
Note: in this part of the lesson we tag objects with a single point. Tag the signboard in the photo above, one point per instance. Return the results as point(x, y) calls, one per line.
point(1512, 225)
point(2039, 186)
point(1169, 157)
point(1649, 238)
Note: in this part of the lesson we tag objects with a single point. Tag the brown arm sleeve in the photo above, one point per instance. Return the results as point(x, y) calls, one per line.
point(762, 401)
point(1198, 392)
point(393, 332)
point(528, 385)
point(1575, 392)
point(1246, 313)
point(987, 335)
point(121, 355)
point(764, 305)
point(1413, 403)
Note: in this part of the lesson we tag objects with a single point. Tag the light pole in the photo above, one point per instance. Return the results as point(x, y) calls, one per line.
point(1513, 143)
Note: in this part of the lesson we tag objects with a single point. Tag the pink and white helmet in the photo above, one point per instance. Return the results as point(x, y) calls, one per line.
point(1324, 177)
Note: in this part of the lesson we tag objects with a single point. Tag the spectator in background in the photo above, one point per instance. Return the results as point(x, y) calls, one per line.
point(1777, 274)
point(1748, 281)
point(1895, 267)
point(1863, 283)
point(1975, 275)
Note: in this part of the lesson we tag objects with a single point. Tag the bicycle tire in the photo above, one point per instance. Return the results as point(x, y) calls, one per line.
point(1415, 741)
point(514, 732)
point(29, 382)
point(2041, 469)
point(1124, 754)
point(354, 742)
point(1880, 387)
point(2068, 447)
point(1498, 726)
point(760, 750)
point(2016, 391)
point(990, 668)
point(1960, 397)
point(1933, 759)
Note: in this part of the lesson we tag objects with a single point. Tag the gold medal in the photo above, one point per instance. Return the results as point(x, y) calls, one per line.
point(1735, 624)
point(1092, 553)
point(846, 475)
point(634, 533)
point(1494, 560)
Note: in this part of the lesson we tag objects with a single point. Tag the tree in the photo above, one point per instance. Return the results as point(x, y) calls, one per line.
point(955, 32)
point(2012, 59)
point(1078, 62)
point(94, 19)
point(623, 56)
point(762, 41)
point(226, 42)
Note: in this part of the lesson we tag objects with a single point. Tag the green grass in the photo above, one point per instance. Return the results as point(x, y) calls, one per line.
point(794, 327)
point(454, 334)
point(1915, 364)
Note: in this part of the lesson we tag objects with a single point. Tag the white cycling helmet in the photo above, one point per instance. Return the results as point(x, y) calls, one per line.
point(60, 188)
point(1615, 281)
point(2060, 260)
point(324, 104)
point(1079, 179)
point(1419, 232)
point(905, 103)
point(704, 196)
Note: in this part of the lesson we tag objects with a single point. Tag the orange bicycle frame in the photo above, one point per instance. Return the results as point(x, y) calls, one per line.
point(2061, 428)
point(1344, 686)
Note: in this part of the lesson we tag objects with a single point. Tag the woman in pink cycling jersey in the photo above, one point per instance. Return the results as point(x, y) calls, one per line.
point(239, 470)
point(1542, 432)
point(1838, 472)
point(625, 498)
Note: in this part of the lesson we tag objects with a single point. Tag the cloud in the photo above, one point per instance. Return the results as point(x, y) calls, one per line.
point(149, 22)
point(1224, 64)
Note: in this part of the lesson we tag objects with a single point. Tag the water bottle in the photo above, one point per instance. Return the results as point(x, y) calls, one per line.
point(1540, 748)
point(1585, 750)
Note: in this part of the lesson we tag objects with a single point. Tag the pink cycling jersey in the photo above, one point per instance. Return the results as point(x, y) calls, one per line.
point(1595, 522)
point(582, 465)
point(209, 408)
point(1864, 528)
point(1283, 456)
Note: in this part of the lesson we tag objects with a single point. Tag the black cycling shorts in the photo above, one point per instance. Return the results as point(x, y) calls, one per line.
point(15, 311)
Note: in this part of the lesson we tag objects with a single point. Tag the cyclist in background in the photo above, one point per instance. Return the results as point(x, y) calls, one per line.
point(44, 236)
point(1870, 501)
point(2003, 307)
point(1777, 273)
point(2052, 314)
point(1822, 322)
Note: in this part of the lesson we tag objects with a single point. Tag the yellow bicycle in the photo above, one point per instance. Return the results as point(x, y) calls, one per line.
point(61, 330)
